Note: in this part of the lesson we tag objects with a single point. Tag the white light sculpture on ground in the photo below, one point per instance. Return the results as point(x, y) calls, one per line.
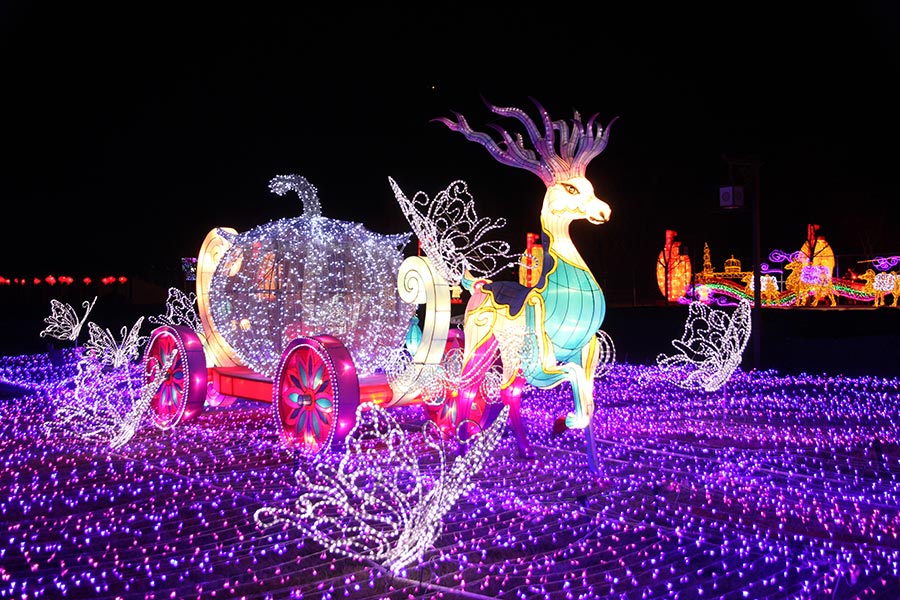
point(710, 349)
point(63, 322)
point(106, 405)
point(102, 345)
point(377, 503)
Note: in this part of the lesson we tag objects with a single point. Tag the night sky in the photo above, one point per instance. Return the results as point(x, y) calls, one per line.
point(128, 135)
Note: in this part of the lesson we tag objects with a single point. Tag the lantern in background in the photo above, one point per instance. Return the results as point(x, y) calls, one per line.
point(818, 250)
point(673, 269)
point(532, 261)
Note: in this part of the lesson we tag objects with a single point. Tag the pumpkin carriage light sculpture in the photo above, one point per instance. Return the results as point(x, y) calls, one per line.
point(292, 311)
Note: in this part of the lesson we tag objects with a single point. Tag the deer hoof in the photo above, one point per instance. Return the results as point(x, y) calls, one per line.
point(574, 421)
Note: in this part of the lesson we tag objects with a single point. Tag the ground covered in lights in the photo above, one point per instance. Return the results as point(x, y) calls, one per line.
point(772, 487)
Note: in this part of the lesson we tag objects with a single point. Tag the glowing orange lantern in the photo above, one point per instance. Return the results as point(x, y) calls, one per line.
point(673, 269)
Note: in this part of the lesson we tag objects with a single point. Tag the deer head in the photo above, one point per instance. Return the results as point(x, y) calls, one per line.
point(560, 156)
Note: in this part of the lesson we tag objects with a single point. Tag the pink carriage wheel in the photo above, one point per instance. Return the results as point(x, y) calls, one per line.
point(316, 393)
point(182, 392)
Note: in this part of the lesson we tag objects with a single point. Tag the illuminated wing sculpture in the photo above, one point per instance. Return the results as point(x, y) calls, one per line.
point(710, 349)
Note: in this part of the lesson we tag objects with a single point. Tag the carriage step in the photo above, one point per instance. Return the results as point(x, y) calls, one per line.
point(243, 382)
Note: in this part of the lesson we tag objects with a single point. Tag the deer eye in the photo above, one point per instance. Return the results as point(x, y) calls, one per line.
point(570, 188)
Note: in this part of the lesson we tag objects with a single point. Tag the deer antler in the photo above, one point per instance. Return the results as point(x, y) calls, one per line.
point(578, 144)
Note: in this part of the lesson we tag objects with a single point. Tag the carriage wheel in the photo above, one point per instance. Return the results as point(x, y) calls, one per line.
point(316, 393)
point(182, 392)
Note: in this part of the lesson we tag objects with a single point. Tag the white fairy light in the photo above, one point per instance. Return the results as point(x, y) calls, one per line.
point(63, 322)
point(309, 195)
point(606, 351)
point(98, 409)
point(103, 346)
point(308, 276)
point(181, 309)
point(710, 349)
point(377, 503)
point(451, 233)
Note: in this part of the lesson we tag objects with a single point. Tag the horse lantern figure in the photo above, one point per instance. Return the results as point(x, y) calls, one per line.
point(562, 313)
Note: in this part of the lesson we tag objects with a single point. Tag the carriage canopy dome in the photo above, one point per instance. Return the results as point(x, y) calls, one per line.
point(307, 276)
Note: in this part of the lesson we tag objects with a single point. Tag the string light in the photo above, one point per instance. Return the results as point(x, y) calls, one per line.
point(378, 503)
point(452, 234)
point(307, 276)
point(778, 493)
point(710, 349)
point(63, 322)
point(181, 309)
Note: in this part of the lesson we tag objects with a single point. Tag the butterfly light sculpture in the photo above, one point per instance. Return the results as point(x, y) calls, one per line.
point(710, 349)
point(378, 503)
point(63, 322)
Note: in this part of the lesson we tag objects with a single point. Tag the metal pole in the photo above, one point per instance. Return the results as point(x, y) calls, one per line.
point(755, 314)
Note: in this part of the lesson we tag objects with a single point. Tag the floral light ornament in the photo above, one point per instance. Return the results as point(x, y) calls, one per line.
point(310, 393)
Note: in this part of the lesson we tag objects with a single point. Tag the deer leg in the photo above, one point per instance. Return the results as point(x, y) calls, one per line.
point(511, 395)
point(584, 401)
point(472, 376)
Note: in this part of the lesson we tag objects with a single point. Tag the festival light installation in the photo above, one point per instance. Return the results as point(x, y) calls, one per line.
point(881, 284)
point(777, 494)
point(673, 269)
point(305, 276)
point(107, 399)
point(181, 309)
point(64, 322)
point(567, 307)
point(452, 235)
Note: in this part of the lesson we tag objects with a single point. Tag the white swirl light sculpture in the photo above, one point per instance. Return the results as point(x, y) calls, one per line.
point(710, 349)
point(377, 503)
point(452, 234)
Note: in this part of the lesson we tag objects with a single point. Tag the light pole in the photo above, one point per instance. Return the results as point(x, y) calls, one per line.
point(752, 165)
